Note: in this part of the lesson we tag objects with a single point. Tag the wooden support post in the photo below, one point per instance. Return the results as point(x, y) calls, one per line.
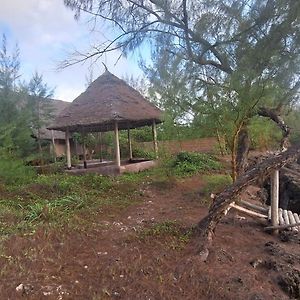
point(68, 149)
point(275, 199)
point(100, 147)
point(129, 143)
point(155, 139)
point(53, 145)
point(84, 150)
point(117, 145)
point(76, 148)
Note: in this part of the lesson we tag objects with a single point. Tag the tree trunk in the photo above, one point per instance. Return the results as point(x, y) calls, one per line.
point(221, 203)
point(221, 143)
point(234, 150)
point(40, 147)
point(243, 146)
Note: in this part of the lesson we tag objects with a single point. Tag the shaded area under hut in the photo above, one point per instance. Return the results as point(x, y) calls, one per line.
point(108, 104)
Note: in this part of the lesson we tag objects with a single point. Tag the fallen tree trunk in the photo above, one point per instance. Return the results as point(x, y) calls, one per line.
point(223, 200)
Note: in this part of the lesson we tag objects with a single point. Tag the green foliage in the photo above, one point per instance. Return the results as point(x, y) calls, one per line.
point(143, 134)
point(60, 199)
point(216, 183)
point(293, 120)
point(264, 134)
point(188, 163)
point(65, 183)
point(45, 210)
point(14, 172)
point(140, 153)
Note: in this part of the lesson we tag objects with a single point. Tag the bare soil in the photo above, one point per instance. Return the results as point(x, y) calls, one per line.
point(135, 254)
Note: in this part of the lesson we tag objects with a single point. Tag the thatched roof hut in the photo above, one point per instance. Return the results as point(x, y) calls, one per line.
point(109, 103)
point(108, 99)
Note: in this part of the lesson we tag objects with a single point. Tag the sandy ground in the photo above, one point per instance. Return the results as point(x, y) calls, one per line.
point(121, 256)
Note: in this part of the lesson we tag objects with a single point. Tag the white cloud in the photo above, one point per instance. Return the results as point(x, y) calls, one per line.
point(45, 31)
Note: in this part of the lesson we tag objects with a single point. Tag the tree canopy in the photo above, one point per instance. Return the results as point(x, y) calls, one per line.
point(232, 59)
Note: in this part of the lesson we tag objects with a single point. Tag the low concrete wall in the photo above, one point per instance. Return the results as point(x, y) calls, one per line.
point(138, 167)
point(113, 170)
point(206, 145)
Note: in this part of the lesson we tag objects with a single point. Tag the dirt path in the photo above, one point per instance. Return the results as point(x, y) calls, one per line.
point(143, 252)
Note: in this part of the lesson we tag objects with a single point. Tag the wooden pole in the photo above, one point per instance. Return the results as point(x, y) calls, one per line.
point(253, 206)
point(76, 148)
point(68, 149)
point(275, 199)
point(129, 143)
point(248, 212)
point(84, 150)
point(282, 226)
point(53, 145)
point(117, 145)
point(155, 139)
point(100, 146)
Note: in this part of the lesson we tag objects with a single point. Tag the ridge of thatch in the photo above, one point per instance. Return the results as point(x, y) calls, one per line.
point(106, 100)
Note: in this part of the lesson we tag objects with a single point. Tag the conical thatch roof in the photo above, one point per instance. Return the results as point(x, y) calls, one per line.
point(106, 100)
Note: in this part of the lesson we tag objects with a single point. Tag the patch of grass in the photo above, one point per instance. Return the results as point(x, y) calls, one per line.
point(58, 199)
point(174, 236)
point(14, 172)
point(189, 163)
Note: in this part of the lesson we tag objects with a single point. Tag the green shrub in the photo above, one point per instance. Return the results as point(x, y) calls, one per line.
point(14, 172)
point(188, 163)
point(216, 183)
point(140, 153)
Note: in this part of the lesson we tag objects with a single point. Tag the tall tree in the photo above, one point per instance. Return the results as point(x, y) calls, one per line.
point(40, 104)
point(245, 53)
point(14, 126)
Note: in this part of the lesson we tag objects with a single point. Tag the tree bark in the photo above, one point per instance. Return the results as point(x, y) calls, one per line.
point(221, 204)
point(243, 146)
point(234, 150)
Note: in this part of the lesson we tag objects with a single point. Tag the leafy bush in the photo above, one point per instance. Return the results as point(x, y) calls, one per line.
point(216, 183)
point(188, 163)
point(14, 172)
point(140, 153)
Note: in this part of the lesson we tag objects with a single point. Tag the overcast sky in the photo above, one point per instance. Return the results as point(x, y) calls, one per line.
point(46, 32)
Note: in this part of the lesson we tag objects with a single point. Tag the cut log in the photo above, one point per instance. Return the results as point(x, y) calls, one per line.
point(281, 220)
point(282, 226)
point(248, 212)
point(297, 219)
point(286, 217)
point(294, 172)
point(254, 206)
point(292, 220)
